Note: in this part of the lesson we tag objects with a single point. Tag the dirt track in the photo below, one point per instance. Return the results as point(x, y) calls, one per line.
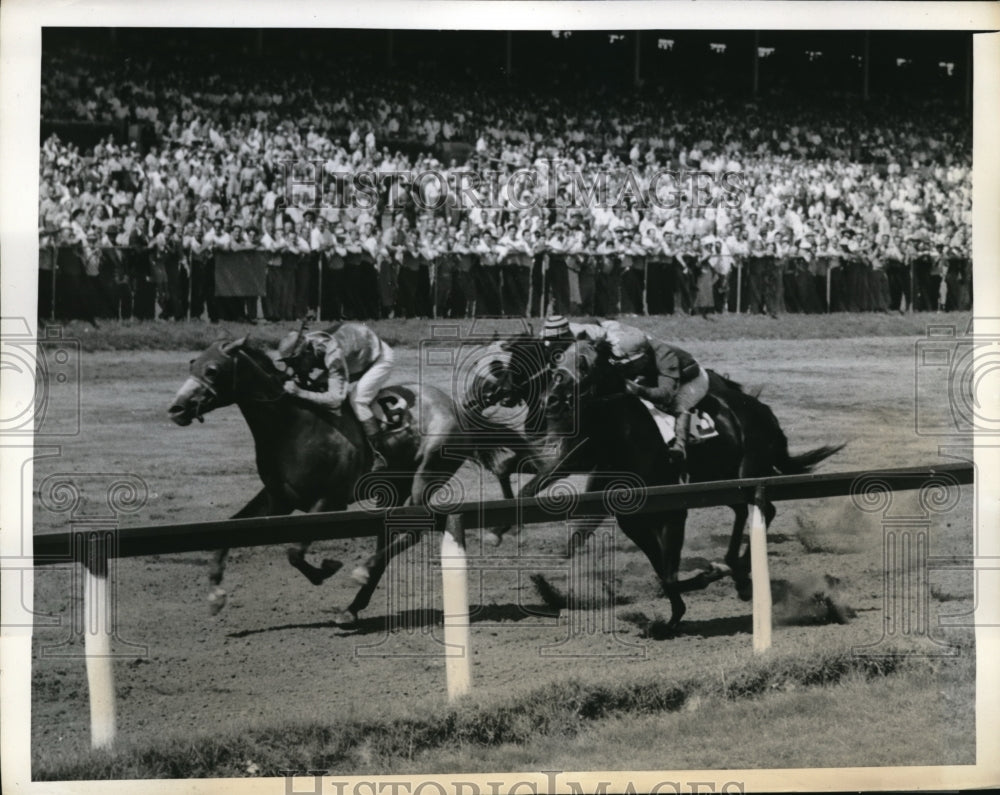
point(274, 654)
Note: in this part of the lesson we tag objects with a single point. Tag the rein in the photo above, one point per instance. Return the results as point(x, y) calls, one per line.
point(239, 355)
point(268, 377)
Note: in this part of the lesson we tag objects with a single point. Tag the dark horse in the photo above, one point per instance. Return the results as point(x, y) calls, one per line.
point(314, 460)
point(589, 424)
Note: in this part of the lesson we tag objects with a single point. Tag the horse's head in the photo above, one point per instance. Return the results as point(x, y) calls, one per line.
point(528, 359)
point(212, 382)
point(570, 380)
point(580, 373)
point(502, 374)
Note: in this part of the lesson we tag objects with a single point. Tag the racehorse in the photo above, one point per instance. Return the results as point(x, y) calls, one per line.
point(593, 425)
point(311, 459)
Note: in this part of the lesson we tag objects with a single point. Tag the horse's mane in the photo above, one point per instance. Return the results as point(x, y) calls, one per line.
point(261, 355)
point(256, 347)
point(729, 383)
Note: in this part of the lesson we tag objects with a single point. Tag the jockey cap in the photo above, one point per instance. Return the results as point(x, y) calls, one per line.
point(556, 327)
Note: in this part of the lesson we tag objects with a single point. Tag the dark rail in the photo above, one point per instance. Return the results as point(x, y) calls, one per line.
point(55, 548)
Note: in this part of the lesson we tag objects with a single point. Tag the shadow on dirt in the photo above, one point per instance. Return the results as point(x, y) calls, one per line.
point(406, 620)
point(656, 628)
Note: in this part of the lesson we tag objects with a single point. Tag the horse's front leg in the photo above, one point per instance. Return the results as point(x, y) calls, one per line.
point(260, 505)
point(671, 544)
point(660, 541)
point(495, 534)
point(740, 566)
point(547, 470)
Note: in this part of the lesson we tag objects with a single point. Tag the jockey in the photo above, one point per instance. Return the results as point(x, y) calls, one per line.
point(345, 353)
point(558, 333)
point(665, 375)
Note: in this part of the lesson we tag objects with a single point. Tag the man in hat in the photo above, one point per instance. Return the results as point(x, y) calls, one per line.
point(324, 363)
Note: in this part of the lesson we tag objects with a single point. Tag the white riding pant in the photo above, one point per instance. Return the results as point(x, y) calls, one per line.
point(690, 393)
point(370, 383)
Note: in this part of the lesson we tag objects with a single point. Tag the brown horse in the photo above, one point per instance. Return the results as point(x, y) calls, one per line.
point(592, 425)
point(311, 460)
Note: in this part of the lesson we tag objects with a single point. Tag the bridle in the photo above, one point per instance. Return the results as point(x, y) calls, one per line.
point(236, 357)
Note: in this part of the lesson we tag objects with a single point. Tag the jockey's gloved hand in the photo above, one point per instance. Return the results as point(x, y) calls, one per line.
point(634, 388)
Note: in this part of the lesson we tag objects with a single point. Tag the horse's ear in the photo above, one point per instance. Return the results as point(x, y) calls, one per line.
point(237, 343)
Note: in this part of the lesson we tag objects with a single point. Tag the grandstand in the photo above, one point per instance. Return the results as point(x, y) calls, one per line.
point(270, 175)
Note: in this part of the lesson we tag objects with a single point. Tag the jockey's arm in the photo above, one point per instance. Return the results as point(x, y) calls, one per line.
point(337, 383)
point(667, 368)
point(661, 394)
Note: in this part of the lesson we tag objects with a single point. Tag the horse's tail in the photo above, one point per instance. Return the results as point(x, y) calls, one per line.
point(804, 462)
point(762, 428)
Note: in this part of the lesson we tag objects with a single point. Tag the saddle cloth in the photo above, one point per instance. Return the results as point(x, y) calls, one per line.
point(392, 406)
point(702, 424)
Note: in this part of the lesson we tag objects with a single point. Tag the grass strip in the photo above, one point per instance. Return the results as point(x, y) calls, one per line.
point(196, 335)
point(556, 709)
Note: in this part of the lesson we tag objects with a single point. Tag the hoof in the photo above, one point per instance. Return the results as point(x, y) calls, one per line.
point(345, 618)
point(492, 538)
point(744, 590)
point(216, 601)
point(360, 575)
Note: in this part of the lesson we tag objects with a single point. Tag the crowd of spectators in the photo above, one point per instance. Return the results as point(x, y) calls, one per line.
point(811, 199)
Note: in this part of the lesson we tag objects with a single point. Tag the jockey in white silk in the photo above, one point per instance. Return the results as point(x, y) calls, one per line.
point(346, 353)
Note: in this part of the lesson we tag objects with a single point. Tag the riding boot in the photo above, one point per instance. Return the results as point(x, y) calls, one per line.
point(374, 435)
point(682, 426)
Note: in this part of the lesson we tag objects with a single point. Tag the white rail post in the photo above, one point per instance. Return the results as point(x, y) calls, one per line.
point(761, 575)
point(455, 597)
point(97, 631)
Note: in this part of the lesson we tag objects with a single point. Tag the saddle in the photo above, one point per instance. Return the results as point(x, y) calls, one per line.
point(392, 408)
point(702, 425)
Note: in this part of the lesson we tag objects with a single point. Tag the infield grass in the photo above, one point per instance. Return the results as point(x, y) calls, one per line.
point(195, 335)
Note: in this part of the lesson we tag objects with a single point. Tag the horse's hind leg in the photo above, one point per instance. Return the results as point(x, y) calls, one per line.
point(435, 471)
point(769, 512)
point(371, 573)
